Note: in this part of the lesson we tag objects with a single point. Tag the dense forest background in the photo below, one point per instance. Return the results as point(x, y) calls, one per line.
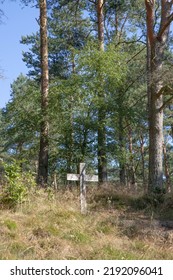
point(106, 98)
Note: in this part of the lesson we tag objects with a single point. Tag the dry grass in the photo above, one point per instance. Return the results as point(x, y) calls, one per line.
point(53, 228)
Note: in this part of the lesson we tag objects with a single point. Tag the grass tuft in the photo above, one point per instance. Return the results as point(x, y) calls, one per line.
point(119, 225)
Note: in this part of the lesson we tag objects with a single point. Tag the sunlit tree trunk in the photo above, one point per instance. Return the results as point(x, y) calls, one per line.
point(44, 131)
point(156, 46)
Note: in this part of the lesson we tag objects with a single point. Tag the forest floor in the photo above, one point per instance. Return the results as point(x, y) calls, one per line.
point(119, 225)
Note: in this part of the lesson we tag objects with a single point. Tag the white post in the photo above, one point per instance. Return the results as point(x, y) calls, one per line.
point(83, 188)
point(83, 178)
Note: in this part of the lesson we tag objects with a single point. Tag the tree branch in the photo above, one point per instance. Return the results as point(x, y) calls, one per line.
point(136, 54)
point(166, 103)
point(122, 26)
point(165, 90)
point(138, 100)
point(92, 1)
point(164, 27)
point(132, 42)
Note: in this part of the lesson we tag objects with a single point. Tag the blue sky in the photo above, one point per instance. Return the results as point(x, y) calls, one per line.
point(17, 21)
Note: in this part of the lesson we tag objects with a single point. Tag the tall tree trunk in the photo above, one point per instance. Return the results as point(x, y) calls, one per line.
point(155, 120)
point(143, 159)
point(156, 46)
point(70, 145)
point(122, 165)
point(44, 131)
point(167, 173)
point(102, 157)
point(132, 175)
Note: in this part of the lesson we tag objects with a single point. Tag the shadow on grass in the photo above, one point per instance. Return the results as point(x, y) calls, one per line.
point(137, 214)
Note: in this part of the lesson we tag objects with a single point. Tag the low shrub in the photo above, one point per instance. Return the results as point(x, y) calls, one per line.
point(17, 185)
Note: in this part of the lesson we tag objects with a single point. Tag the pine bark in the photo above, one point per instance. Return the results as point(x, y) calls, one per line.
point(142, 159)
point(166, 166)
point(156, 46)
point(102, 157)
point(122, 164)
point(132, 175)
point(44, 130)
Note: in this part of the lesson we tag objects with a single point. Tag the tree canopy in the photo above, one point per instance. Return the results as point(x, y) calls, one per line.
point(110, 92)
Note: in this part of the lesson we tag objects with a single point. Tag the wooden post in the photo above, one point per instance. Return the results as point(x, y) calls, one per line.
point(83, 188)
point(83, 178)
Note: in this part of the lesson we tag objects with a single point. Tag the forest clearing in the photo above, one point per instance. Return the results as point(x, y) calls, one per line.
point(118, 225)
point(98, 94)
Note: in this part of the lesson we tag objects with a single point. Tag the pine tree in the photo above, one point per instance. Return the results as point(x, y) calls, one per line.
point(44, 129)
point(157, 41)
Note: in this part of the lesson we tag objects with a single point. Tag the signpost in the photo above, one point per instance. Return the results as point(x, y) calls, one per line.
point(83, 178)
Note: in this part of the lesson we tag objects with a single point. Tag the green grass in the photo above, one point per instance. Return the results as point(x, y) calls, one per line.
point(54, 228)
point(11, 225)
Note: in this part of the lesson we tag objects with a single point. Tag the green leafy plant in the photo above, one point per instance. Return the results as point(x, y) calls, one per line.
point(17, 184)
point(11, 225)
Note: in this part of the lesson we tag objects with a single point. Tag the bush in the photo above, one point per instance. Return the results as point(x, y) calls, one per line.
point(17, 184)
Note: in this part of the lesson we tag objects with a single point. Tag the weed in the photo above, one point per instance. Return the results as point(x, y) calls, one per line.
point(104, 227)
point(77, 237)
point(11, 225)
point(17, 248)
point(53, 230)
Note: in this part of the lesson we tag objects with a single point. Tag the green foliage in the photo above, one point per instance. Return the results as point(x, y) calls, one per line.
point(20, 121)
point(77, 237)
point(11, 225)
point(84, 81)
point(102, 71)
point(17, 185)
point(50, 193)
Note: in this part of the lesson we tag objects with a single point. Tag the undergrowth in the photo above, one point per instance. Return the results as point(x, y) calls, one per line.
point(118, 225)
point(17, 185)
